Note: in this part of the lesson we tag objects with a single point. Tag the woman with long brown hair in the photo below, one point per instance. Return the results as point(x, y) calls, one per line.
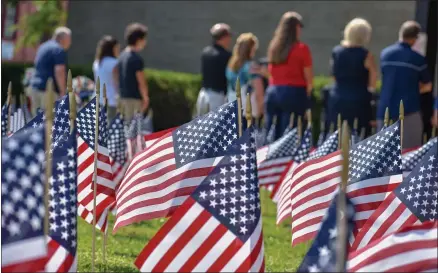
point(291, 76)
point(239, 67)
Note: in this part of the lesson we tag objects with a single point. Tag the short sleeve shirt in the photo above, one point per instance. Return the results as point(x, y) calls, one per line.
point(291, 72)
point(403, 70)
point(244, 75)
point(129, 64)
point(104, 71)
point(49, 55)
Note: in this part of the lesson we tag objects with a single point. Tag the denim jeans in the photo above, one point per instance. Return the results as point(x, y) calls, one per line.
point(281, 102)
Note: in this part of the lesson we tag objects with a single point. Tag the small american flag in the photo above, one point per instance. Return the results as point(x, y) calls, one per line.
point(281, 154)
point(151, 138)
point(4, 120)
point(322, 255)
point(134, 138)
point(23, 242)
point(270, 134)
point(284, 188)
point(161, 177)
point(411, 159)
point(17, 119)
point(375, 170)
point(105, 185)
point(117, 148)
point(62, 241)
point(414, 200)
point(219, 227)
point(321, 138)
point(410, 249)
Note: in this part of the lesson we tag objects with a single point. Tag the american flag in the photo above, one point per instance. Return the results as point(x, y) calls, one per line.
point(4, 120)
point(284, 188)
point(117, 148)
point(62, 241)
point(17, 119)
point(414, 200)
point(151, 138)
point(322, 255)
point(270, 134)
point(281, 154)
point(134, 138)
point(411, 159)
point(375, 170)
point(161, 177)
point(321, 138)
point(410, 249)
point(23, 241)
point(219, 227)
point(105, 185)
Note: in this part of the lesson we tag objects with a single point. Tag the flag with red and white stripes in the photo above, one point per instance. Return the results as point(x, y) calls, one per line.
point(410, 249)
point(161, 177)
point(117, 149)
point(219, 227)
point(151, 138)
point(62, 239)
point(281, 154)
point(283, 189)
point(375, 170)
point(134, 139)
point(86, 164)
point(415, 200)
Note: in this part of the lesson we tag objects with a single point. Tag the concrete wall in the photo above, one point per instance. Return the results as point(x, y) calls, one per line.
point(179, 29)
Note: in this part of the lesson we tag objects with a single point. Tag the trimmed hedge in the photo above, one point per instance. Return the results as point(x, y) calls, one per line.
point(172, 94)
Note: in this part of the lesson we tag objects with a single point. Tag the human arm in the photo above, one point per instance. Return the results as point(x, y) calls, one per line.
point(370, 64)
point(425, 79)
point(259, 90)
point(142, 84)
point(59, 60)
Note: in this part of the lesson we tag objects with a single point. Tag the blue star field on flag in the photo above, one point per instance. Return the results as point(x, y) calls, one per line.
point(419, 190)
point(322, 255)
point(86, 122)
point(329, 146)
point(116, 140)
point(412, 159)
point(288, 146)
point(4, 119)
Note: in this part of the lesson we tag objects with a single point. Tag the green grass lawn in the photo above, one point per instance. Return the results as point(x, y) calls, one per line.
point(123, 248)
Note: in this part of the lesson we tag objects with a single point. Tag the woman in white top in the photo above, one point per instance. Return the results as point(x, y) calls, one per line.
point(105, 67)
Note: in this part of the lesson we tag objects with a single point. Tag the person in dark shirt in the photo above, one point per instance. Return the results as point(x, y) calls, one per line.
point(404, 77)
point(50, 62)
point(134, 93)
point(214, 61)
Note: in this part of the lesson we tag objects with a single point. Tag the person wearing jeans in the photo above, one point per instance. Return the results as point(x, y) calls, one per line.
point(291, 76)
point(404, 77)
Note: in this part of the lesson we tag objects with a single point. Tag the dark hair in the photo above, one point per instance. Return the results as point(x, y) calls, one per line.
point(135, 32)
point(409, 30)
point(284, 38)
point(105, 47)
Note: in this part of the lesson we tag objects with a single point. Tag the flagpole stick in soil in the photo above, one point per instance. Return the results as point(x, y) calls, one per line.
point(386, 119)
point(355, 124)
point(401, 118)
point(48, 147)
point(248, 111)
point(105, 232)
point(239, 106)
point(96, 137)
point(23, 105)
point(8, 101)
point(72, 101)
point(299, 130)
point(341, 217)
point(362, 133)
point(292, 120)
point(309, 118)
point(339, 131)
point(424, 138)
point(332, 128)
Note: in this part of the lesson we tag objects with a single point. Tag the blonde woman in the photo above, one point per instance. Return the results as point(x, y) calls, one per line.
point(239, 66)
point(355, 75)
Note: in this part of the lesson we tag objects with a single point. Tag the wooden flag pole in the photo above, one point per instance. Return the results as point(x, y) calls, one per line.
point(355, 124)
point(9, 100)
point(248, 110)
point(424, 138)
point(339, 131)
point(23, 105)
point(341, 217)
point(292, 120)
point(72, 101)
point(401, 117)
point(391, 122)
point(299, 130)
point(309, 118)
point(105, 100)
point(332, 128)
point(239, 106)
point(434, 129)
point(362, 133)
point(386, 119)
point(50, 99)
point(96, 137)
point(105, 232)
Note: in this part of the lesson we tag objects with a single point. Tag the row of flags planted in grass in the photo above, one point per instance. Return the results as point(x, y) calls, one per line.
point(359, 204)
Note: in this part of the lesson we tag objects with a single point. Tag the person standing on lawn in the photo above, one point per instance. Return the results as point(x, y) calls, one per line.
point(404, 77)
point(355, 74)
point(291, 76)
point(214, 60)
point(134, 93)
point(50, 62)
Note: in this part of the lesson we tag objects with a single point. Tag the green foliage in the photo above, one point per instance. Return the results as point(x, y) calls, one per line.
point(40, 24)
point(123, 247)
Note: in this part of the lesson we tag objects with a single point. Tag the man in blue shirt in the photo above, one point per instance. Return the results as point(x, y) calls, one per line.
point(404, 77)
point(50, 62)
